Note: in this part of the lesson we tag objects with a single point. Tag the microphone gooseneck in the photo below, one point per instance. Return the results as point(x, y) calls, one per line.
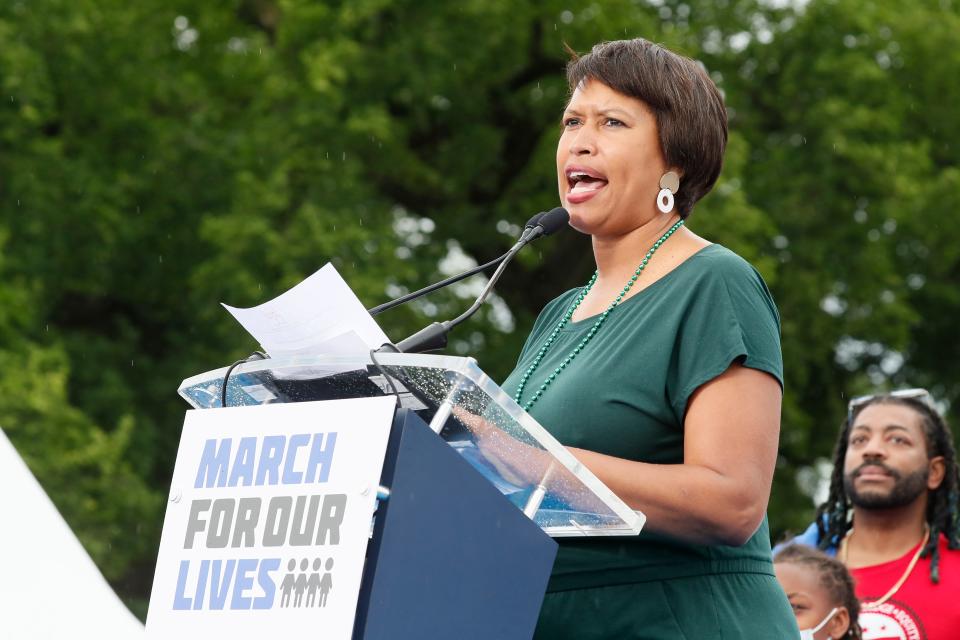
point(434, 336)
point(527, 229)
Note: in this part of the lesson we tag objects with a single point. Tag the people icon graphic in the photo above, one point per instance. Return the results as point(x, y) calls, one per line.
point(313, 583)
point(306, 589)
point(301, 583)
point(326, 583)
point(286, 586)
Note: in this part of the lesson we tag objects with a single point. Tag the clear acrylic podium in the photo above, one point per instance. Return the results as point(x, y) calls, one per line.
point(458, 548)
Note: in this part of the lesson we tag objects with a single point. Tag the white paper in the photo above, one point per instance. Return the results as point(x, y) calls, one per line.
point(321, 315)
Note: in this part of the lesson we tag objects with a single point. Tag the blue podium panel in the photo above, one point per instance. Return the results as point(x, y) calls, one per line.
point(450, 557)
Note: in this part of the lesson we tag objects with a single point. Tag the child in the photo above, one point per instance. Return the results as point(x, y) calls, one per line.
point(820, 591)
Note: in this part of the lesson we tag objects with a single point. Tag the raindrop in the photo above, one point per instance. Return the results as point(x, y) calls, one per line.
point(566, 17)
point(160, 259)
point(343, 157)
point(131, 363)
point(48, 328)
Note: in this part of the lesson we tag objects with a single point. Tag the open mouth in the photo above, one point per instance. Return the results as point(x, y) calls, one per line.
point(584, 181)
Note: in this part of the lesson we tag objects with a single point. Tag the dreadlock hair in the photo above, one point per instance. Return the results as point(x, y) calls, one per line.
point(833, 516)
point(833, 576)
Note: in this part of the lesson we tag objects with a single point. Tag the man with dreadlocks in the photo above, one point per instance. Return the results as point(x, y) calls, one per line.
point(891, 516)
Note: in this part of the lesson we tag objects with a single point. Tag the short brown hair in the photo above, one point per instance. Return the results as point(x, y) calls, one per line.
point(689, 111)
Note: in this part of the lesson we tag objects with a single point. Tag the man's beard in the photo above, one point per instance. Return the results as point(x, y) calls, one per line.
point(905, 489)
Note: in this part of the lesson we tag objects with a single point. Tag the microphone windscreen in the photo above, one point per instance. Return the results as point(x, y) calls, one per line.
point(554, 220)
point(534, 219)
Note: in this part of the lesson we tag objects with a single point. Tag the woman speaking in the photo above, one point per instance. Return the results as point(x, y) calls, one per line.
point(663, 373)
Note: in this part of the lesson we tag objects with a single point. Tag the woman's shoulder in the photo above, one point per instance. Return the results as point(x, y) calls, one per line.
point(716, 259)
point(716, 266)
point(715, 275)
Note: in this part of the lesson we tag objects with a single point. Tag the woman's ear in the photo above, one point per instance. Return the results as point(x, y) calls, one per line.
point(839, 624)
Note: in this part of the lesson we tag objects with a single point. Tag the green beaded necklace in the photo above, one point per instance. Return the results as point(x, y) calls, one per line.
point(593, 330)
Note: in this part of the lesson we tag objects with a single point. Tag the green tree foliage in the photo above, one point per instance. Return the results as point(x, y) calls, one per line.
point(159, 157)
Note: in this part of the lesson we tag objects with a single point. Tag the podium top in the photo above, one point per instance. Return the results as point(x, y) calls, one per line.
point(461, 403)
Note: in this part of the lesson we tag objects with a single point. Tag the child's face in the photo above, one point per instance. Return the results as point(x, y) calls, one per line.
point(810, 600)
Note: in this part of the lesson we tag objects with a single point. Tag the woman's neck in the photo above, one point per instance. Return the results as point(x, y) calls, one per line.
point(617, 256)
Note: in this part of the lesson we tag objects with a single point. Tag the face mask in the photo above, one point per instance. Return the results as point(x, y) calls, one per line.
point(807, 634)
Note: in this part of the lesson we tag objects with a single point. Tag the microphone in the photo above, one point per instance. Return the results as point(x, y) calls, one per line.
point(434, 336)
point(546, 224)
point(527, 229)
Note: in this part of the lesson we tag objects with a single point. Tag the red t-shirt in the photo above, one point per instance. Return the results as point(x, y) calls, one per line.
point(920, 609)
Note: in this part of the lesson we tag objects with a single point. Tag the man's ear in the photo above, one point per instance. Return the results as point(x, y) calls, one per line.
point(938, 470)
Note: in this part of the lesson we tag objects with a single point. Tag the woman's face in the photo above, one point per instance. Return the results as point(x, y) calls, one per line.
point(810, 600)
point(609, 161)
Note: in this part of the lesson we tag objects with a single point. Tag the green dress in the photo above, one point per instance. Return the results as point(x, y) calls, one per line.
point(626, 395)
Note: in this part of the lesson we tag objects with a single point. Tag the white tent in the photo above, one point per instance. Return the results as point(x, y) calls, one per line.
point(50, 588)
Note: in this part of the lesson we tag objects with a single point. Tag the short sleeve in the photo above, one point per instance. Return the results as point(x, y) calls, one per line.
point(730, 317)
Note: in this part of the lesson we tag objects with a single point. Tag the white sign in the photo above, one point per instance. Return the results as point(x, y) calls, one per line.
point(268, 520)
